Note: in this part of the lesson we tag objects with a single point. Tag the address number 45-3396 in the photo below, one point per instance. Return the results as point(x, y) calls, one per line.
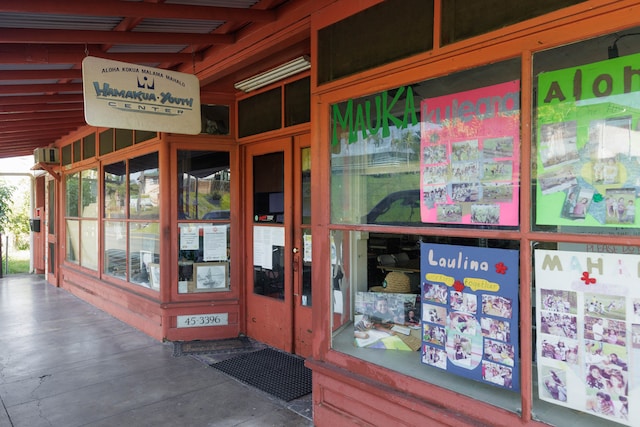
point(201, 320)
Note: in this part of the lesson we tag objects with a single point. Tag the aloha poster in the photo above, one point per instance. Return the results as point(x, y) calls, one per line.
point(470, 312)
point(588, 145)
point(470, 156)
point(588, 332)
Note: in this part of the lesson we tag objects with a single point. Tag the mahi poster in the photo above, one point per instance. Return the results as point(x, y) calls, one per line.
point(470, 156)
point(588, 332)
point(470, 312)
point(588, 146)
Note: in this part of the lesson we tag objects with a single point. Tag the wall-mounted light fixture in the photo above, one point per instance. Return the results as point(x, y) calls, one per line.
point(283, 71)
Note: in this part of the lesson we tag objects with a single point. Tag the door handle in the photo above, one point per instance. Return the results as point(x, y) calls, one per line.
point(295, 260)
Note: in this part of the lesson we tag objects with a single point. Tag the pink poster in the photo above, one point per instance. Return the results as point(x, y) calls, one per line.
point(470, 156)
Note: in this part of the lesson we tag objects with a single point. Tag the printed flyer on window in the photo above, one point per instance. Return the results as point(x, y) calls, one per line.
point(470, 312)
point(470, 156)
point(588, 146)
point(588, 332)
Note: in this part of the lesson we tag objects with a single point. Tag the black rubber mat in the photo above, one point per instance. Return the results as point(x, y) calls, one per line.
point(280, 374)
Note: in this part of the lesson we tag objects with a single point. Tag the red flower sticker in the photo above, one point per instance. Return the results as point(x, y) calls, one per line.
point(458, 286)
point(501, 268)
point(587, 280)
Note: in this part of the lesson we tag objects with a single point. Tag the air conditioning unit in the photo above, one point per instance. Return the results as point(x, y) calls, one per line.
point(46, 155)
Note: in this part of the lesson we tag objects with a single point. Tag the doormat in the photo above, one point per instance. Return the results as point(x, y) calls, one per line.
point(280, 374)
point(230, 346)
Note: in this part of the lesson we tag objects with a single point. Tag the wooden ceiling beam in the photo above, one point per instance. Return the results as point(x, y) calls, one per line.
point(40, 116)
point(137, 10)
point(31, 108)
point(35, 130)
point(41, 99)
point(34, 36)
point(40, 88)
point(39, 124)
point(34, 136)
point(70, 54)
point(40, 74)
point(48, 137)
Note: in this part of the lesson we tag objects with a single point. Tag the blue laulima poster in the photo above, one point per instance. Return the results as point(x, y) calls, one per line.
point(470, 312)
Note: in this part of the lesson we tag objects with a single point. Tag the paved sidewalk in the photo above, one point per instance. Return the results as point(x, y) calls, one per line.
point(64, 363)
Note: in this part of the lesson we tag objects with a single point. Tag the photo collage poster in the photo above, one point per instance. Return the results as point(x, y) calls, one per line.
point(588, 332)
point(470, 312)
point(470, 156)
point(588, 145)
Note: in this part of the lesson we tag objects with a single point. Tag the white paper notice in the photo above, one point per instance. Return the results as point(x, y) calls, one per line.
point(215, 243)
point(264, 240)
point(189, 238)
point(306, 250)
point(261, 247)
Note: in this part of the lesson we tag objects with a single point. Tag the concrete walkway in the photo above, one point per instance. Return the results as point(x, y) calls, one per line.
point(65, 363)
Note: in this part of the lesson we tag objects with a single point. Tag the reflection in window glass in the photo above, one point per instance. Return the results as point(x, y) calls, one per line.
point(268, 188)
point(73, 240)
point(115, 249)
point(89, 205)
point(427, 162)
point(585, 178)
point(51, 211)
point(446, 154)
point(588, 117)
point(81, 211)
point(144, 254)
point(204, 182)
point(144, 187)
point(89, 244)
point(132, 248)
point(306, 185)
point(115, 190)
point(72, 189)
point(268, 275)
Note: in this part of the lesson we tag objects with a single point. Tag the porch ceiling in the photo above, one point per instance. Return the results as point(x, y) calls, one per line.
point(43, 43)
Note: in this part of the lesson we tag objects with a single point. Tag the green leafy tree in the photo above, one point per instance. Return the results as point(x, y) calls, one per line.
point(6, 191)
point(6, 204)
point(19, 222)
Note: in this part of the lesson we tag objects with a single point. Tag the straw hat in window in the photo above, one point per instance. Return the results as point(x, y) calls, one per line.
point(395, 282)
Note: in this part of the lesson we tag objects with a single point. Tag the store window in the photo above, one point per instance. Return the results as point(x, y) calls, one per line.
point(204, 232)
point(408, 165)
point(374, 37)
point(81, 218)
point(463, 19)
point(586, 167)
point(131, 221)
point(446, 153)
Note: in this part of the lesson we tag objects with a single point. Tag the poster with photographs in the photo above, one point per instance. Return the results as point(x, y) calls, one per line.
point(588, 334)
point(588, 146)
point(470, 312)
point(470, 156)
point(387, 321)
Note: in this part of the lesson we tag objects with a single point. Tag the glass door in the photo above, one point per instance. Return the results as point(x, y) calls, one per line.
point(50, 230)
point(278, 261)
point(302, 256)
